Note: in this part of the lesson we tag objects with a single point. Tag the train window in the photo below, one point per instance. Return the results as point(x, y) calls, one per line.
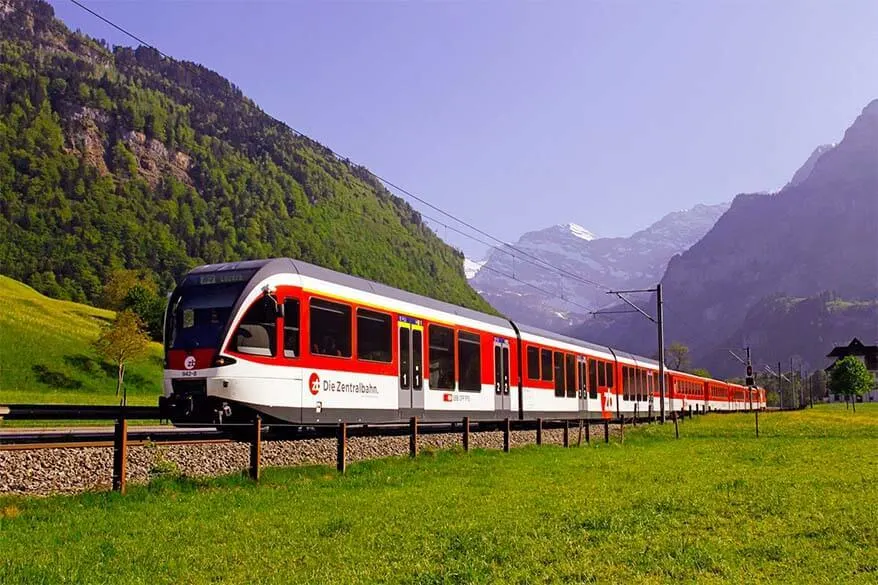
point(609, 374)
point(469, 353)
point(592, 379)
point(291, 328)
point(546, 365)
point(441, 356)
point(506, 369)
point(404, 356)
point(533, 363)
point(602, 374)
point(417, 358)
point(559, 374)
point(626, 382)
point(570, 369)
point(330, 328)
point(582, 376)
point(641, 392)
point(257, 331)
point(374, 337)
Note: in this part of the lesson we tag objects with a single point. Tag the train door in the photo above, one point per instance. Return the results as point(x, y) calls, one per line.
point(501, 375)
point(411, 364)
point(292, 349)
point(582, 388)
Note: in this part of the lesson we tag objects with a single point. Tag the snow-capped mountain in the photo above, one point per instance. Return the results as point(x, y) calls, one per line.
point(518, 286)
point(472, 267)
point(580, 232)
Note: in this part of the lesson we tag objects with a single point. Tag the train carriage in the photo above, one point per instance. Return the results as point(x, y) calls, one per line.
point(566, 377)
point(303, 344)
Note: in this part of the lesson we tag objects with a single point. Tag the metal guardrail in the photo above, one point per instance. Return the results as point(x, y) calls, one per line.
point(77, 412)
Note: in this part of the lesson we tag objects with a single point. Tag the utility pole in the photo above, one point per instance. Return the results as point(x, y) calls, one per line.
point(661, 348)
point(659, 322)
point(811, 389)
point(792, 383)
point(750, 381)
point(779, 385)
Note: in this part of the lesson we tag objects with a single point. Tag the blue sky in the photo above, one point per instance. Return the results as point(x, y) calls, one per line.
point(516, 116)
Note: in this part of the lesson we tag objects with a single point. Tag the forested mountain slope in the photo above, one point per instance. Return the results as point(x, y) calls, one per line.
point(113, 158)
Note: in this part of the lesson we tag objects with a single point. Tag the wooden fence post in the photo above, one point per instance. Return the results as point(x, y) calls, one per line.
point(539, 431)
point(635, 414)
point(757, 423)
point(466, 434)
point(606, 431)
point(413, 437)
point(621, 429)
point(506, 430)
point(579, 438)
point(676, 426)
point(566, 433)
point(256, 449)
point(341, 454)
point(587, 433)
point(120, 455)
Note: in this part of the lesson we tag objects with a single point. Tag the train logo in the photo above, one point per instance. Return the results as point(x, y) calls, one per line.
point(189, 363)
point(314, 383)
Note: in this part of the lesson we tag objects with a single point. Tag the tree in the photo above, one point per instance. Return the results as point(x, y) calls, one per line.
point(677, 356)
point(149, 306)
point(850, 377)
point(120, 284)
point(701, 372)
point(121, 343)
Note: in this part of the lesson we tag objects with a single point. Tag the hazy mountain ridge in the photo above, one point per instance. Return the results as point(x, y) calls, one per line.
point(817, 234)
point(635, 261)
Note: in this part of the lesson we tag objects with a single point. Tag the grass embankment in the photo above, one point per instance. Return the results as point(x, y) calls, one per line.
point(796, 506)
point(46, 354)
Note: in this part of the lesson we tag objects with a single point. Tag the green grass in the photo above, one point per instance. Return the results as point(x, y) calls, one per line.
point(795, 506)
point(46, 354)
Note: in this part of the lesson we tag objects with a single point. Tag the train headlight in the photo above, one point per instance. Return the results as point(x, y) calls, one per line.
point(222, 360)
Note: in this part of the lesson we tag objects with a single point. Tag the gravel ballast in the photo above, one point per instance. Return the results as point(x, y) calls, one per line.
point(78, 469)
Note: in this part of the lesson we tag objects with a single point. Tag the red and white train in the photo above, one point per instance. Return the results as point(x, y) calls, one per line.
point(302, 344)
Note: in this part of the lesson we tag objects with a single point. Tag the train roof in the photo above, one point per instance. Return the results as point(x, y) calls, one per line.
point(272, 266)
point(562, 338)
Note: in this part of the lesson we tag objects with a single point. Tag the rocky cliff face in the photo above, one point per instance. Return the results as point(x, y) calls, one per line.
point(819, 233)
point(636, 261)
point(124, 158)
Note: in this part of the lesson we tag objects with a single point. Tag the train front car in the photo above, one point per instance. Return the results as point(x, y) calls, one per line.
point(200, 372)
point(303, 344)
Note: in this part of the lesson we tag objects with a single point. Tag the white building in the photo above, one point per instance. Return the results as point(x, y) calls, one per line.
point(868, 354)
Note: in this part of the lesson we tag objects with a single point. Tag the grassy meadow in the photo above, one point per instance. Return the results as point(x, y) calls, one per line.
point(46, 354)
point(794, 506)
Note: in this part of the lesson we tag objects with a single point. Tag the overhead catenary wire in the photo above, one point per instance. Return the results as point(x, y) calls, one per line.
point(522, 254)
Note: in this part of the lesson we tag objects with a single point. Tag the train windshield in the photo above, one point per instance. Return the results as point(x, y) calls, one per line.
point(200, 309)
